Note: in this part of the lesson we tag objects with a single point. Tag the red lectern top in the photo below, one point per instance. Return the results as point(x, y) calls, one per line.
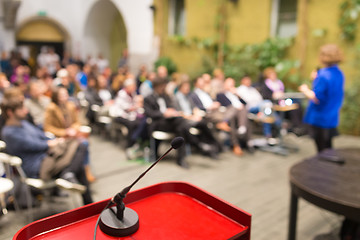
point(170, 210)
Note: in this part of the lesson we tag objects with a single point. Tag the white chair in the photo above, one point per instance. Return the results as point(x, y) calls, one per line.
point(158, 136)
point(13, 162)
point(155, 139)
point(5, 186)
point(82, 100)
point(45, 187)
point(103, 121)
point(116, 127)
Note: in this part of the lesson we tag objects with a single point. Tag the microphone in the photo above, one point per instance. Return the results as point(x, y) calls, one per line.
point(177, 142)
point(120, 221)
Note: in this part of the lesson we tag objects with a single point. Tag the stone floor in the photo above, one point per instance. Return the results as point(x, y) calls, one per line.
point(258, 183)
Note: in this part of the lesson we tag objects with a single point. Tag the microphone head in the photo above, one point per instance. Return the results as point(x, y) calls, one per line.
point(177, 142)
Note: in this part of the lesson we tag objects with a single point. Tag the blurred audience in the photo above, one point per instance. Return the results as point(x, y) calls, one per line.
point(217, 83)
point(4, 84)
point(225, 118)
point(195, 119)
point(164, 117)
point(61, 119)
point(214, 108)
point(273, 89)
point(33, 147)
point(257, 105)
point(233, 103)
point(37, 102)
point(128, 110)
point(146, 88)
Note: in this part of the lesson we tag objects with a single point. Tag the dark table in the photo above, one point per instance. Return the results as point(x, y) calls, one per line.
point(331, 186)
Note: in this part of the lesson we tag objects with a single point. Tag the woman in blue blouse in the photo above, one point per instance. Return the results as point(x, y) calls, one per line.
point(326, 97)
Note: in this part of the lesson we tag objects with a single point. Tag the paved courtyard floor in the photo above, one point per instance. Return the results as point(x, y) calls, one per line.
point(258, 183)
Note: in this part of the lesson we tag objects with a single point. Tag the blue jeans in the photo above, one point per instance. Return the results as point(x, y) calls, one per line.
point(266, 126)
point(84, 142)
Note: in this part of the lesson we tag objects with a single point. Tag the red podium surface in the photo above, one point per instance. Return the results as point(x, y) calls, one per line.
point(170, 210)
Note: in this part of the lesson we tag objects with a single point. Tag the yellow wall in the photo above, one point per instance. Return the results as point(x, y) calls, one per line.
point(200, 23)
point(40, 31)
point(248, 21)
point(243, 26)
point(201, 18)
point(325, 15)
point(117, 41)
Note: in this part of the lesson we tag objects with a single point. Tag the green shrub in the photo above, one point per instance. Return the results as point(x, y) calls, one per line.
point(252, 59)
point(168, 63)
point(350, 112)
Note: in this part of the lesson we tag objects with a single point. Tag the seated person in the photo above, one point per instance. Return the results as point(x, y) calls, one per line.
point(64, 79)
point(195, 118)
point(10, 93)
point(37, 103)
point(83, 75)
point(118, 80)
point(61, 119)
point(128, 110)
point(255, 104)
point(92, 97)
point(216, 83)
point(32, 146)
point(229, 99)
point(141, 77)
point(159, 107)
point(4, 84)
point(273, 89)
point(146, 88)
point(103, 90)
point(97, 93)
point(21, 77)
point(219, 115)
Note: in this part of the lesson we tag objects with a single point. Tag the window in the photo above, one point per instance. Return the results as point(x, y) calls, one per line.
point(177, 17)
point(284, 13)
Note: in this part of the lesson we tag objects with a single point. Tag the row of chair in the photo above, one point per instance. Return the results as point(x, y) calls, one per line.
point(104, 122)
point(20, 185)
point(107, 126)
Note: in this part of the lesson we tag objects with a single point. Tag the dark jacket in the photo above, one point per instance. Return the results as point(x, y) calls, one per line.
point(152, 108)
point(224, 101)
point(196, 100)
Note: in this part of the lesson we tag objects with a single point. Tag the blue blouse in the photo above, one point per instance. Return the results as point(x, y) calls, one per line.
point(328, 87)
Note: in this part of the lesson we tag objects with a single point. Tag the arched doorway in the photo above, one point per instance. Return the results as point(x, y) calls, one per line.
point(105, 32)
point(38, 32)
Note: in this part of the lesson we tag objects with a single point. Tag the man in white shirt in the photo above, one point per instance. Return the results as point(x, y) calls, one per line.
point(251, 95)
point(255, 104)
point(203, 101)
point(128, 109)
point(239, 124)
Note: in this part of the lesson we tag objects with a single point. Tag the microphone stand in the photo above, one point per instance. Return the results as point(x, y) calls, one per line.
point(120, 221)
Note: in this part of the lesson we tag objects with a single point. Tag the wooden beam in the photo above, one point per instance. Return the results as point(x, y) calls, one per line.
point(303, 36)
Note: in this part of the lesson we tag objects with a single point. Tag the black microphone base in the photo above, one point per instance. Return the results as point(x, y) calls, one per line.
point(110, 225)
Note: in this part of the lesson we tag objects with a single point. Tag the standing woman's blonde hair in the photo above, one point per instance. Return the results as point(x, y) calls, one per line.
point(330, 54)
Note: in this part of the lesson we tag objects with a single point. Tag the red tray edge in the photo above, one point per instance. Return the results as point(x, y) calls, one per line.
point(236, 214)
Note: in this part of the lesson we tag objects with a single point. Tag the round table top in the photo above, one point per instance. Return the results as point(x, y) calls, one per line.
point(285, 108)
point(5, 185)
point(329, 185)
